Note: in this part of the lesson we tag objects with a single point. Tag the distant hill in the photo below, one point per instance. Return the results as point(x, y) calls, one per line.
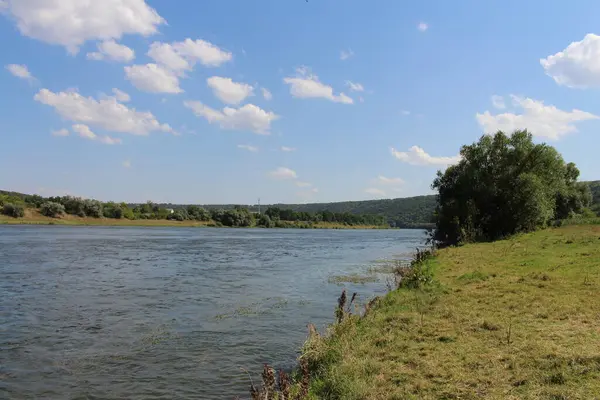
point(401, 212)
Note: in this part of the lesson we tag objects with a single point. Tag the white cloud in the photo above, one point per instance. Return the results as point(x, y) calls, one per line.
point(283, 173)
point(541, 120)
point(85, 132)
point(389, 181)
point(248, 147)
point(577, 66)
point(71, 23)
point(121, 96)
point(106, 113)
point(111, 50)
point(266, 94)
point(20, 71)
point(228, 91)
point(303, 184)
point(61, 132)
point(375, 192)
point(127, 164)
point(305, 85)
point(355, 87)
point(182, 56)
point(246, 118)
point(405, 112)
point(417, 156)
point(166, 55)
point(498, 102)
point(346, 54)
point(287, 149)
point(153, 78)
point(422, 26)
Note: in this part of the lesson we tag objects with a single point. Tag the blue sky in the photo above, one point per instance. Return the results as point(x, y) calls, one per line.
point(367, 99)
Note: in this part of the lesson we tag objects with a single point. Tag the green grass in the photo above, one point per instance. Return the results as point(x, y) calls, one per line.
point(513, 319)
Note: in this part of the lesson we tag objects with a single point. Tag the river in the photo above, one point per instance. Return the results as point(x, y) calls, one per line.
point(169, 313)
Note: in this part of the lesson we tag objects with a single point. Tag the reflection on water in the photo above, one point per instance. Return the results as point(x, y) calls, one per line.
point(163, 313)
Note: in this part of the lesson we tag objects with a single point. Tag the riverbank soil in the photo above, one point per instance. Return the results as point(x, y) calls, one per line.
point(513, 319)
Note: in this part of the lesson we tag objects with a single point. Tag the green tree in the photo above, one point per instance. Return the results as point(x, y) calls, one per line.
point(265, 221)
point(13, 210)
point(504, 185)
point(52, 209)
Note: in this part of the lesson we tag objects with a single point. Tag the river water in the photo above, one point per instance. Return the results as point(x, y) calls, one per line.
point(169, 313)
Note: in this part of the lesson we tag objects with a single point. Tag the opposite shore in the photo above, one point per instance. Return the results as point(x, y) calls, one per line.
point(32, 217)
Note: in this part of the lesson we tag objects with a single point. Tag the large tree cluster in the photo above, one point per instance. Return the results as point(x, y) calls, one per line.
point(504, 185)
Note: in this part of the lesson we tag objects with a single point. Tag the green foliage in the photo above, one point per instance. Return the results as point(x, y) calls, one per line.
point(277, 214)
point(264, 221)
point(504, 185)
point(52, 209)
point(13, 210)
point(238, 217)
point(198, 213)
point(113, 210)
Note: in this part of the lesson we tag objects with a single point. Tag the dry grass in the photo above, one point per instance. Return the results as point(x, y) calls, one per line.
point(514, 319)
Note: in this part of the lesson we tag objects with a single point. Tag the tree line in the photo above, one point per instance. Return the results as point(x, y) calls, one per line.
point(14, 205)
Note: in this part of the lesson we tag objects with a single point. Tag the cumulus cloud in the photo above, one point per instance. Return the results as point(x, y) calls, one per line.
point(577, 66)
point(389, 181)
point(375, 192)
point(228, 91)
point(181, 56)
point(266, 94)
point(355, 87)
point(283, 173)
point(541, 120)
point(498, 102)
point(346, 54)
point(306, 85)
point(20, 71)
point(153, 78)
point(85, 132)
point(106, 113)
point(417, 156)
point(247, 118)
point(121, 96)
point(70, 23)
point(61, 132)
point(111, 50)
point(287, 149)
point(422, 26)
point(248, 147)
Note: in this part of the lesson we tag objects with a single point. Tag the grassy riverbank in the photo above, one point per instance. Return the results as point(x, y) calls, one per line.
point(33, 217)
point(513, 319)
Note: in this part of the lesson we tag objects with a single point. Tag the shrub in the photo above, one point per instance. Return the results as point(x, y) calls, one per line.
point(52, 210)
point(13, 210)
point(92, 208)
point(264, 221)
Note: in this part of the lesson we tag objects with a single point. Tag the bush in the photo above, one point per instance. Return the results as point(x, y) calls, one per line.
point(52, 209)
point(264, 221)
point(92, 208)
point(13, 210)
